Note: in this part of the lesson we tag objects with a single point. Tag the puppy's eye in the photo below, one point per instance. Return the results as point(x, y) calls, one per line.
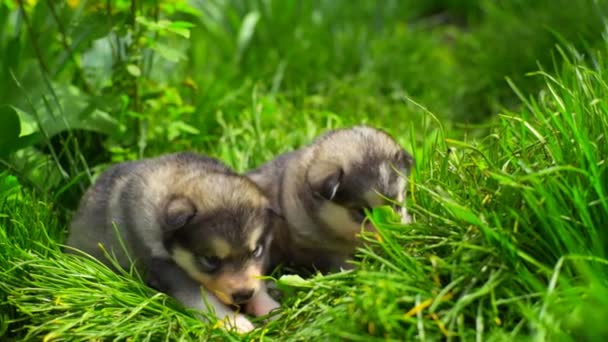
point(210, 263)
point(257, 252)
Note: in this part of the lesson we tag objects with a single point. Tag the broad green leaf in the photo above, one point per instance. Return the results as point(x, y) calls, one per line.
point(28, 126)
point(167, 52)
point(75, 111)
point(16, 130)
point(180, 31)
point(153, 25)
point(176, 128)
point(181, 28)
point(293, 280)
point(134, 70)
point(181, 24)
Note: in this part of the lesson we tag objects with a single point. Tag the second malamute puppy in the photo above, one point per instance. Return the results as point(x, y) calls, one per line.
point(186, 221)
point(323, 189)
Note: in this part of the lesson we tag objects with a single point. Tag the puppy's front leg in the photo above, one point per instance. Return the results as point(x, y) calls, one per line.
point(167, 277)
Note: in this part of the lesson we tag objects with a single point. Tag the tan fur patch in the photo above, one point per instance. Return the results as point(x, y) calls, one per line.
point(254, 237)
point(224, 284)
point(208, 191)
point(247, 279)
point(185, 260)
point(320, 170)
point(373, 198)
point(340, 220)
point(221, 248)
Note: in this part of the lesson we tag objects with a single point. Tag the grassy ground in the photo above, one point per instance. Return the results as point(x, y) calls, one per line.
point(509, 239)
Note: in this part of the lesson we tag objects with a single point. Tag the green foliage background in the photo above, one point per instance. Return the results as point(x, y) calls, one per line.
point(503, 104)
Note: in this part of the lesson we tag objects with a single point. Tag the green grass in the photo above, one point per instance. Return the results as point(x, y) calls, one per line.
point(509, 240)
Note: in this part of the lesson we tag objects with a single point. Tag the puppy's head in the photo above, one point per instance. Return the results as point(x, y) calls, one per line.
point(353, 170)
point(221, 237)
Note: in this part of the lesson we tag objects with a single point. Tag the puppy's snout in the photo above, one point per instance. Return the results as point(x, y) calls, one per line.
point(241, 296)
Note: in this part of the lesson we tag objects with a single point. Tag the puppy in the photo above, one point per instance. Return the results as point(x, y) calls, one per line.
point(184, 220)
point(323, 189)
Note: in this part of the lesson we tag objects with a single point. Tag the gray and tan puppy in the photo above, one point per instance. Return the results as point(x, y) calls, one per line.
point(323, 189)
point(186, 221)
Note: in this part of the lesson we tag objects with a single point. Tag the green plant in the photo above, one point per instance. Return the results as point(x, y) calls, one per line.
point(115, 53)
point(508, 242)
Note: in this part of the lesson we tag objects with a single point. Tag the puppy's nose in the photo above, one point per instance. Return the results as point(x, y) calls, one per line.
point(242, 296)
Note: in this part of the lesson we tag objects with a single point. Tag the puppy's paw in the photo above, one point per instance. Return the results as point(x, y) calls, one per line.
point(238, 322)
point(405, 217)
point(261, 304)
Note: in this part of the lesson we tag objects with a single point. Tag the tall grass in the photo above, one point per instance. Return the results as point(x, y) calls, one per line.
point(508, 241)
point(108, 87)
point(452, 56)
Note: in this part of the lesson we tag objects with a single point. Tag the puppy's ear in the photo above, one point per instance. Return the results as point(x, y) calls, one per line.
point(275, 220)
point(325, 179)
point(403, 160)
point(178, 211)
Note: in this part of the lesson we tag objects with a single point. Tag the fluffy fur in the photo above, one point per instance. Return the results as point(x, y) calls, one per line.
point(185, 220)
point(322, 190)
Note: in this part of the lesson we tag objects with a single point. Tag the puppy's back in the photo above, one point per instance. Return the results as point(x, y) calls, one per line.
point(89, 224)
point(269, 177)
point(126, 199)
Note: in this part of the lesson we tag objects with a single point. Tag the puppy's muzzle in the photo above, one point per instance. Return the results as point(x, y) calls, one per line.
point(242, 296)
